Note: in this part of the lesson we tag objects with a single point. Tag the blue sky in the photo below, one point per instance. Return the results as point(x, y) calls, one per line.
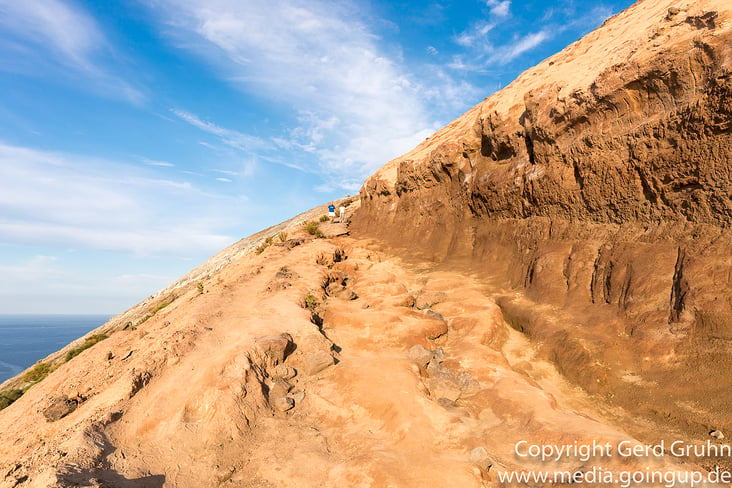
point(139, 137)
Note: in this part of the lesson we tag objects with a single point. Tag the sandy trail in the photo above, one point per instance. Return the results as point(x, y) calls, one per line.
point(212, 391)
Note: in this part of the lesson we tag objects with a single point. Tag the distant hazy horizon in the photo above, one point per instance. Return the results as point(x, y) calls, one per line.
point(28, 338)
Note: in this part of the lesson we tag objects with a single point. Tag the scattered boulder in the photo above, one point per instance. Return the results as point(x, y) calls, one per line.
point(420, 355)
point(283, 404)
point(62, 406)
point(468, 385)
point(283, 371)
point(444, 386)
point(435, 326)
point(278, 398)
point(273, 349)
point(444, 383)
point(280, 388)
point(717, 434)
point(315, 362)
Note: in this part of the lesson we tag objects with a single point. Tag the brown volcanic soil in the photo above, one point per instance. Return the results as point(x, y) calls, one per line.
point(304, 366)
point(596, 188)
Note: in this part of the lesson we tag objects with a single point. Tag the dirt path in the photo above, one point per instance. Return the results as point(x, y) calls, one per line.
point(317, 362)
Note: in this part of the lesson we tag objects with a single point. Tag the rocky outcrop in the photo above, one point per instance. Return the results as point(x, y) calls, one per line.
point(598, 183)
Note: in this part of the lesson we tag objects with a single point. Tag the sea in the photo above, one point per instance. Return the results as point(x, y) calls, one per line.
point(24, 339)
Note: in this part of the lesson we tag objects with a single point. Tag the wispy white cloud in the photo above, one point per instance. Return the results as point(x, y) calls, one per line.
point(500, 39)
point(54, 25)
point(225, 172)
point(39, 34)
point(152, 162)
point(476, 34)
point(498, 8)
point(355, 106)
point(60, 286)
point(506, 54)
point(229, 137)
point(76, 202)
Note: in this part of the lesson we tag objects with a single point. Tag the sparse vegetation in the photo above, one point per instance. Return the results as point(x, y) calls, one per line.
point(322, 259)
point(199, 286)
point(7, 397)
point(312, 228)
point(160, 306)
point(267, 242)
point(88, 342)
point(324, 218)
point(310, 302)
point(282, 236)
point(151, 313)
point(38, 372)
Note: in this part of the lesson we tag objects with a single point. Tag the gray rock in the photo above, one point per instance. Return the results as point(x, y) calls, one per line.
point(468, 384)
point(439, 355)
point(443, 386)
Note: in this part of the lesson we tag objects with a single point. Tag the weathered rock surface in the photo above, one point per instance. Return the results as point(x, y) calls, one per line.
point(598, 185)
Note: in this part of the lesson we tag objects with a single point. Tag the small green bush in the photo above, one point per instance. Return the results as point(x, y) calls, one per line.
point(261, 248)
point(312, 228)
point(199, 286)
point(7, 397)
point(37, 373)
point(282, 236)
point(269, 240)
point(160, 306)
point(88, 342)
point(324, 218)
point(310, 302)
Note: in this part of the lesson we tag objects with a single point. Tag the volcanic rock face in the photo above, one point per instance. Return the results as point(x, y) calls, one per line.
point(598, 183)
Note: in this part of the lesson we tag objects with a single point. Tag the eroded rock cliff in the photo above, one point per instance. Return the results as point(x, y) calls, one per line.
point(599, 183)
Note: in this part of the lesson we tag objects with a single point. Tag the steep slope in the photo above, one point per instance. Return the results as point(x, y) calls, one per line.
point(597, 183)
point(316, 362)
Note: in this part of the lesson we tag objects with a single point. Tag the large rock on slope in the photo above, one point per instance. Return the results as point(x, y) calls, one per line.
point(598, 182)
